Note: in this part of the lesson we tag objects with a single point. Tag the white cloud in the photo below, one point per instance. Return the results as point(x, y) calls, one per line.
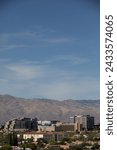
point(33, 38)
point(78, 89)
point(10, 47)
point(74, 60)
point(56, 40)
point(71, 58)
point(24, 72)
point(32, 79)
point(58, 89)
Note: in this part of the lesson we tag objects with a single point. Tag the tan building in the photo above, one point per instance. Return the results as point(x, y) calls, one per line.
point(53, 136)
point(85, 122)
point(46, 128)
point(66, 127)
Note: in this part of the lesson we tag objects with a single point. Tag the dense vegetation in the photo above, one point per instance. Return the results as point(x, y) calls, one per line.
point(88, 140)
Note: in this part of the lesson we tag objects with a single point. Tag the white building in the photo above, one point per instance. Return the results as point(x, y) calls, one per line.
point(34, 135)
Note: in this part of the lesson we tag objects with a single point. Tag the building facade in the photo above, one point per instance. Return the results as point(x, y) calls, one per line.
point(66, 127)
point(33, 135)
point(85, 122)
point(46, 128)
point(21, 124)
point(48, 136)
point(54, 136)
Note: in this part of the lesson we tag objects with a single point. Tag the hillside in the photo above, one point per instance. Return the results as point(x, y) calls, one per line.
point(44, 109)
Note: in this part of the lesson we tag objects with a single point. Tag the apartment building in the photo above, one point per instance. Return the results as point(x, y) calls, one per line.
point(21, 124)
point(84, 122)
point(48, 136)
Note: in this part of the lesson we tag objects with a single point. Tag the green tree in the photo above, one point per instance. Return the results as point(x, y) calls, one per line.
point(6, 147)
point(4, 139)
point(28, 145)
point(32, 146)
point(95, 146)
point(30, 140)
point(41, 143)
point(13, 139)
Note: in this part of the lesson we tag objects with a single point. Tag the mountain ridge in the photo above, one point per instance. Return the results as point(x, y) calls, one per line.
point(46, 109)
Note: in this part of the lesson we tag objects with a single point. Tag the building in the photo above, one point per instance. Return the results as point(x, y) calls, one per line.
point(46, 128)
point(54, 136)
point(44, 123)
point(79, 123)
point(66, 127)
point(90, 122)
point(54, 122)
point(48, 136)
point(84, 122)
point(32, 135)
point(21, 124)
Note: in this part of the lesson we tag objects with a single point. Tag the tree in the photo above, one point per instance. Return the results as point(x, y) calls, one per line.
point(41, 143)
point(4, 139)
point(95, 146)
point(32, 146)
point(28, 145)
point(13, 141)
point(6, 147)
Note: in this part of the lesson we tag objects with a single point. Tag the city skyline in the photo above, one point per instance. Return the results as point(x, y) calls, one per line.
point(50, 49)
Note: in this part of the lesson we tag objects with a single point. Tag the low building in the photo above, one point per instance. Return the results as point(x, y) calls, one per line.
point(54, 136)
point(54, 147)
point(33, 135)
point(48, 136)
point(46, 128)
point(44, 123)
point(66, 127)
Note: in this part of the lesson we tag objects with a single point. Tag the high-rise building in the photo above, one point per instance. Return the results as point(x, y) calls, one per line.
point(85, 122)
point(21, 124)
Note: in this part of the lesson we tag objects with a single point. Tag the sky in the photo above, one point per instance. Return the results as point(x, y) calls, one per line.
point(50, 49)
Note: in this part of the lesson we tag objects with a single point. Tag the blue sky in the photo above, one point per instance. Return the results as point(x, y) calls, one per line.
point(49, 48)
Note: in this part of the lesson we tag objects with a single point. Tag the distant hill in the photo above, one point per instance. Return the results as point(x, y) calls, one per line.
point(46, 109)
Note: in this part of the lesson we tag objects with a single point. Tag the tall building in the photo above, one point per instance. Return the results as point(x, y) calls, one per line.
point(84, 122)
point(21, 124)
point(90, 122)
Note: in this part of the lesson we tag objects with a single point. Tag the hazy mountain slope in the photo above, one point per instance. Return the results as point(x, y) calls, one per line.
point(13, 107)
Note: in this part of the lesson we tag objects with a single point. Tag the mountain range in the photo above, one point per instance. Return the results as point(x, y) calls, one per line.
point(46, 109)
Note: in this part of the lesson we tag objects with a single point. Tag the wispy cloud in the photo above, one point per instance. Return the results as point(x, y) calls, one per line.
point(57, 40)
point(72, 89)
point(32, 79)
point(72, 59)
point(32, 38)
point(46, 68)
point(58, 89)
point(24, 71)
point(66, 59)
point(11, 47)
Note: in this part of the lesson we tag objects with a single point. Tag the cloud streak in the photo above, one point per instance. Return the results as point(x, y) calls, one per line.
point(32, 79)
point(31, 39)
point(72, 59)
